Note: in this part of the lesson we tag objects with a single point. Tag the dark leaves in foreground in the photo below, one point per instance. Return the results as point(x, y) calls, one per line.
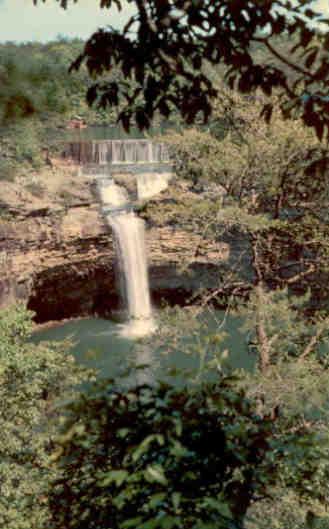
point(163, 457)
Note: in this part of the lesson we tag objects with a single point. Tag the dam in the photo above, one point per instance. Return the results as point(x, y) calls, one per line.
point(147, 163)
point(127, 151)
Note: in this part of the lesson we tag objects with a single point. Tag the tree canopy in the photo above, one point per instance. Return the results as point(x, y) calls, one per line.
point(163, 48)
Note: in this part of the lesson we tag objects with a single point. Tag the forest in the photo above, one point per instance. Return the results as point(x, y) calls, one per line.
point(202, 443)
point(36, 85)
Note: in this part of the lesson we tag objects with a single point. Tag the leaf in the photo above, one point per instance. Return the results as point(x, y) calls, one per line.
point(177, 449)
point(114, 476)
point(92, 94)
point(156, 499)
point(319, 127)
point(266, 112)
point(167, 522)
point(145, 445)
point(142, 119)
point(132, 522)
point(123, 432)
point(155, 473)
point(311, 58)
point(176, 498)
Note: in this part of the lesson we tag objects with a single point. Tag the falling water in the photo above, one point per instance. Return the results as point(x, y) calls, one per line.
point(128, 229)
point(103, 152)
point(129, 234)
point(111, 195)
point(150, 184)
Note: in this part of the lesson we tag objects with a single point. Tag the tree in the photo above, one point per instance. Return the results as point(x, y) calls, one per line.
point(164, 47)
point(31, 378)
point(167, 457)
point(276, 183)
point(276, 187)
point(37, 97)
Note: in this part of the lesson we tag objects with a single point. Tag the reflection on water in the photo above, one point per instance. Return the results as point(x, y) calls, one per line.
point(99, 344)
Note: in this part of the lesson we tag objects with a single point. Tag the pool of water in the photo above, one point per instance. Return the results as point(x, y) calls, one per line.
point(99, 344)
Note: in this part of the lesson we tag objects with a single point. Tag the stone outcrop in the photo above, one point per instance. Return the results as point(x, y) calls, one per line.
point(62, 262)
point(57, 254)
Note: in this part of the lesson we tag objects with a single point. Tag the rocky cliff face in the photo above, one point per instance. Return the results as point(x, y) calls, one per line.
point(57, 254)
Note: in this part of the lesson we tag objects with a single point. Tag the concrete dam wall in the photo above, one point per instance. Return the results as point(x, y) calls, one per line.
point(103, 152)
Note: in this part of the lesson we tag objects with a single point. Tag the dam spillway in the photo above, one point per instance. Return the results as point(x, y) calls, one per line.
point(131, 151)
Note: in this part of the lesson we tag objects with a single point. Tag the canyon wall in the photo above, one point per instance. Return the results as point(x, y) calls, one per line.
point(62, 262)
point(57, 254)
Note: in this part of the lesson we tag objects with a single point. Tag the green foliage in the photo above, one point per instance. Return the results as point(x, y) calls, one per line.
point(165, 457)
point(164, 49)
point(287, 331)
point(284, 511)
point(276, 190)
point(275, 186)
point(31, 377)
point(189, 150)
point(35, 85)
point(20, 148)
point(35, 81)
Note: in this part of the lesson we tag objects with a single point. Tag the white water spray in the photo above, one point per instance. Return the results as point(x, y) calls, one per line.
point(151, 184)
point(112, 196)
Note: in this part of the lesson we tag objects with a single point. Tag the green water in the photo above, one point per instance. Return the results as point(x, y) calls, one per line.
point(97, 343)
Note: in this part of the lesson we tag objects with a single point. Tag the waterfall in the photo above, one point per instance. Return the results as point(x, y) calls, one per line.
point(129, 233)
point(149, 162)
point(150, 184)
point(129, 236)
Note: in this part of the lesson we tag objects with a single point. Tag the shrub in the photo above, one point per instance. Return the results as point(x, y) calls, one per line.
point(31, 377)
point(165, 457)
point(7, 170)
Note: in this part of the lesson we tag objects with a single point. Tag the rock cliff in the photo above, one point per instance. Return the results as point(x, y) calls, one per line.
point(57, 254)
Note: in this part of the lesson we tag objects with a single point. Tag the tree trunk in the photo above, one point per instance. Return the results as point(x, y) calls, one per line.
point(262, 338)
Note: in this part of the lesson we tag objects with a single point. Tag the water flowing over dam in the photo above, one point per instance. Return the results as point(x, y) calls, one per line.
point(104, 152)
